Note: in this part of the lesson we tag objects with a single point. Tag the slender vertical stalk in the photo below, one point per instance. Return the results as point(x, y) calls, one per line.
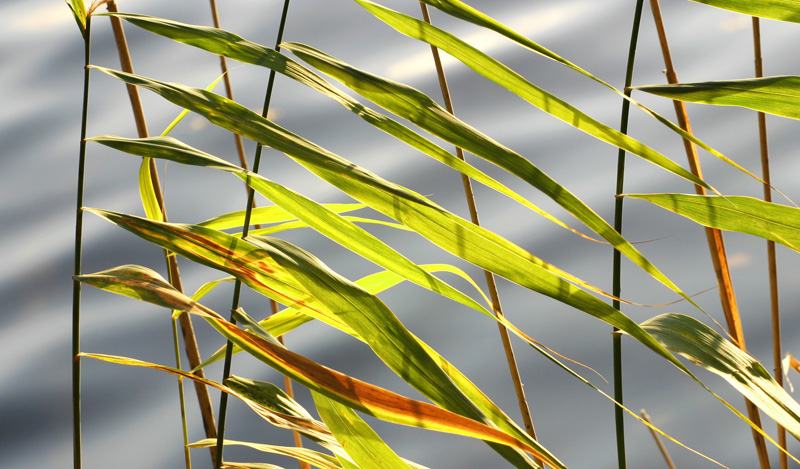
point(716, 244)
point(76, 285)
point(189, 339)
point(771, 257)
point(490, 280)
point(659, 443)
point(223, 402)
point(223, 65)
point(186, 453)
point(616, 337)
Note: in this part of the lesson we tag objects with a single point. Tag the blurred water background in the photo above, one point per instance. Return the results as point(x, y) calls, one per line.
point(131, 415)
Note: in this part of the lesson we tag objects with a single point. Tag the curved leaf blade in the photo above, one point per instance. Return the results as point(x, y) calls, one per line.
point(465, 12)
point(767, 220)
point(703, 346)
point(358, 439)
point(783, 10)
point(230, 45)
point(367, 398)
point(423, 111)
point(316, 458)
point(773, 95)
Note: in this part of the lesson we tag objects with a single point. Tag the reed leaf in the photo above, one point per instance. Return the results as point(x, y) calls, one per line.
point(767, 220)
point(361, 396)
point(358, 440)
point(783, 10)
point(459, 9)
point(321, 460)
point(315, 430)
point(423, 111)
point(703, 346)
point(266, 215)
point(772, 95)
point(234, 47)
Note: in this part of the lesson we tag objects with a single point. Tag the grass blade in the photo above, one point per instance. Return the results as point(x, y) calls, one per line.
point(356, 394)
point(358, 440)
point(237, 48)
point(316, 458)
point(783, 10)
point(767, 220)
point(423, 111)
point(705, 347)
point(772, 95)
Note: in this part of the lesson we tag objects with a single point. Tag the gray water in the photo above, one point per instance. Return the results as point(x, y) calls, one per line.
point(131, 415)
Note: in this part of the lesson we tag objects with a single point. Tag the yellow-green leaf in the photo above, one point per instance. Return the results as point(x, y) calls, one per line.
point(767, 220)
point(774, 95)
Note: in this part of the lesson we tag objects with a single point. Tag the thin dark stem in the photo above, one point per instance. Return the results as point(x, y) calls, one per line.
point(76, 285)
point(771, 257)
point(223, 402)
point(490, 280)
point(186, 453)
point(616, 338)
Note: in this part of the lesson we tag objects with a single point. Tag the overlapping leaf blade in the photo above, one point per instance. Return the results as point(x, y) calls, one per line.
point(452, 233)
point(783, 10)
point(773, 95)
point(767, 220)
point(234, 47)
point(703, 346)
point(356, 394)
point(422, 31)
point(423, 111)
point(358, 440)
point(316, 458)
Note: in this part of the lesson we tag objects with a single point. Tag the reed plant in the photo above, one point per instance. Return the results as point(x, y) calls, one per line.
point(253, 246)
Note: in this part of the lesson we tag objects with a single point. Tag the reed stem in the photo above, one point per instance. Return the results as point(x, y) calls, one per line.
point(187, 330)
point(223, 402)
point(76, 285)
point(490, 280)
point(659, 443)
point(716, 244)
point(616, 337)
point(771, 257)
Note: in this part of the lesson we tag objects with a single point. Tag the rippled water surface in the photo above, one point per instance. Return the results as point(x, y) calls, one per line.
point(131, 415)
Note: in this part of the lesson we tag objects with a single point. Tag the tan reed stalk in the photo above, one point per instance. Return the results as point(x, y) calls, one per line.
point(716, 243)
point(771, 257)
point(490, 281)
point(187, 330)
point(223, 64)
point(660, 443)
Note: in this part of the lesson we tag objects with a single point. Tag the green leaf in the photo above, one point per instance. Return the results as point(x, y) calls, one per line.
point(266, 215)
point(423, 111)
point(472, 243)
point(358, 440)
point(783, 10)
point(78, 9)
point(767, 220)
point(301, 454)
point(315, 430)
point(354, 393)
point(703, 346)
point(148, 193)
point(139, 283)
point(773, 95)
point(491, 69)
point(234, 47)
point(421, 31)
